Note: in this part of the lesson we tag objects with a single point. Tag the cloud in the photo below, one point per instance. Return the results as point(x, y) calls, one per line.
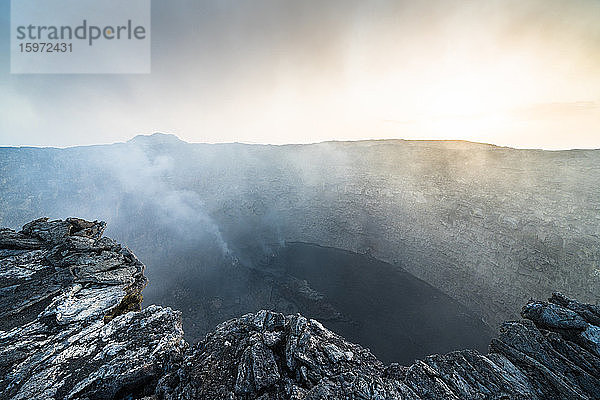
point(575, 109)
point(295, 71)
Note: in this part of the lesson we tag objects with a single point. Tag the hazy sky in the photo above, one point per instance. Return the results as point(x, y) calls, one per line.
point(520, 73)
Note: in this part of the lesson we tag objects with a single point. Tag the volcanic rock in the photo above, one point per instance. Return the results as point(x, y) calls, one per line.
point(71, 325)
point(72, 328)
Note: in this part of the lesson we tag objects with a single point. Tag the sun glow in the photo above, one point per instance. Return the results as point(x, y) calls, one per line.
point(462, 96)
point(466, 106)
point(524, 75)
point(494, 99)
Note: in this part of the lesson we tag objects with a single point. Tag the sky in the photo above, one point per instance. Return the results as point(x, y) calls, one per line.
point(524, 74)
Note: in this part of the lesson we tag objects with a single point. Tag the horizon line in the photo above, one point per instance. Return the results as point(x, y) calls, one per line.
point(149, 135)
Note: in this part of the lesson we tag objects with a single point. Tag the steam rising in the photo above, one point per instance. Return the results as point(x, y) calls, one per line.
point(149, 181)
point(480, 222)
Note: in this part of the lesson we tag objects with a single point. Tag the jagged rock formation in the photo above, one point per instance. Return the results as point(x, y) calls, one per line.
point(553, 355)
point(71, 325)
point(72, 328)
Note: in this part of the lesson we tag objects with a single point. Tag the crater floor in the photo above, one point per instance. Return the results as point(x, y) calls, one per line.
point(73, 329)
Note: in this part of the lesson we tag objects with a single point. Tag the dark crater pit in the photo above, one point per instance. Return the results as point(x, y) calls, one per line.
point(399, 317)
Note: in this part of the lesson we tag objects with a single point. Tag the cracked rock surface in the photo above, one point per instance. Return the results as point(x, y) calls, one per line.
point(70, 321)
point(72, 328)
point(553, 354)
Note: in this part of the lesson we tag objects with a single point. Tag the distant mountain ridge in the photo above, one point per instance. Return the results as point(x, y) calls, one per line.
point(156, 138)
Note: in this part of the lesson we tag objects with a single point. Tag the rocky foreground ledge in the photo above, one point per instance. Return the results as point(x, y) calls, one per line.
point(71, 326)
